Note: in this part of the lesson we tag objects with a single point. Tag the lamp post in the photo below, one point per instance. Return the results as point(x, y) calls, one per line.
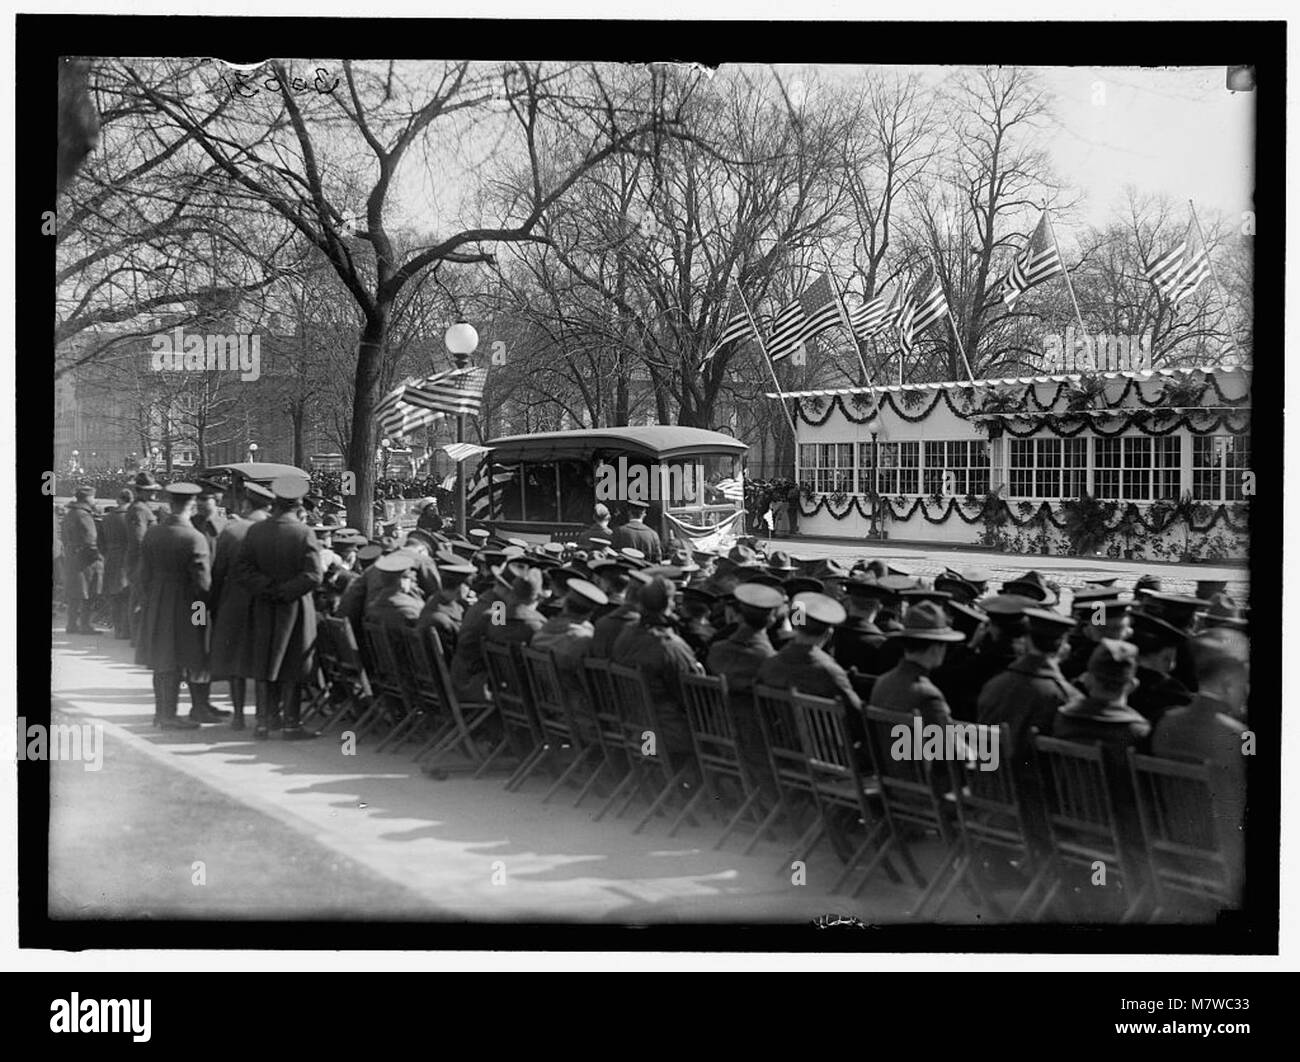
point(462, 341)
point(384, 446)
point(252, 452)
point(155, 452)
point(875, 486)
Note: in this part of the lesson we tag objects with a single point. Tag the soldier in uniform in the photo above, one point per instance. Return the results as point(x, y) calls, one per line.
point(280, 567)
point(654, 648)
point(857, 643)
point(600, 529)
point(925, 638)
point(468, 672)
point(208, 519)
point(1101, 613)
point(139, 518)
point(520, 619)
point(117, 586)
point(803, 663)
point(175, 576)
point(83, 563)
point(626, 613)
point(393, 601)
point(445, 611)
point(637, 535)
point(694, 606)
point(1158, 690)
point(1003, 644)
point(568, 635)
point(232, 624)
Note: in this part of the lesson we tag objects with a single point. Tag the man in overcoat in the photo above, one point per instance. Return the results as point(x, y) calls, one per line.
point(83, 563)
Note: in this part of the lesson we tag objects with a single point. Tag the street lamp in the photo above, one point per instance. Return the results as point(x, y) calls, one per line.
point(462, 341)
point(76, 462)
point(875, 485)
point(155, 451)
point(252, 452)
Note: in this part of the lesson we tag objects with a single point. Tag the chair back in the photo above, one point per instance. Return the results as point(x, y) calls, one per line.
point(1176, 805)
point(546, 688)
point(601, 700)
point(635, 706)
point(989, 802)
point(776, 720)
point(820, 721)
point(1076, 798)
point(387, 674)
point(509, 693)
point(708, 713)
point(906, 782)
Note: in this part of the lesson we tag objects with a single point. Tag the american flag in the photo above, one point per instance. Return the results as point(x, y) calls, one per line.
point(1179, 272)
point(923, 306)
point(737, 327)
point(811, 314)
point(478, 489)
point(731, 489)
point(873, 315)
point(460, 451)
point(416, 403)
point(1038, 262)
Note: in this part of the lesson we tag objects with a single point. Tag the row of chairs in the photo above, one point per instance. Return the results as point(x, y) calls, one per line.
point(803, 766)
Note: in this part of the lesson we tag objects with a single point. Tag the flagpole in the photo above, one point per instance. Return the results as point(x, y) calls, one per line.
point(844, 319)
point(1068, 283)
point(1223, 299)
point(953, 322)
point(794, 437)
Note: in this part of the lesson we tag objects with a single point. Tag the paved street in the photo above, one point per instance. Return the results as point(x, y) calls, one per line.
point(300, 829)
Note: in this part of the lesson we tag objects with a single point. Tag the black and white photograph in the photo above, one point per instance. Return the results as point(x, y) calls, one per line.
point(708, 490)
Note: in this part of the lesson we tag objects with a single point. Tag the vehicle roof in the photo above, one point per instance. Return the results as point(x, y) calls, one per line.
point(658, 441)
point(257, 471)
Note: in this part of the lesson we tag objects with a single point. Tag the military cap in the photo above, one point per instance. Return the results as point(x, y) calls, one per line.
point(1092, 594)
point(527, 583)
point(289, 488)
point(763, 578)
point(1031, 585)
point(479, 534)
point(183, 490)
point(1006, 604)
point(587, 592)
point(598, 564)
point(667, 571)
point(698, 596)
point(1151, 632)
point(321, 530)
point(926, 621)
point(516, 568)
point(513, 552)
point(920, 593)
point(743, 557)
point(819, 609)
point(1109, 580)
point(635, 555)
point(896, 584)
point(866, 586)
point(1178, 609)
point(453, 565)
point(603, 543)
point(1113, 662)
point(207, 488)
point(756, 595)
point(554, 549)
point(521, 543)
point(1111, 606)
point(1147, 582)
point(638, 575)
point(369, 553)
point(421, 535)
point(978, 576)
point(830, 568)
point(1220, 643)
point(803, 584)
point(543, 561)
point(1046, 619)
point(464, 549)
point(346, 536)
point(682, 559)
point(780, 562)
point(965, 617)
point(1224, 612)
point(897, 569)
point(397, 561)
point(957, 588)
point(492, 557)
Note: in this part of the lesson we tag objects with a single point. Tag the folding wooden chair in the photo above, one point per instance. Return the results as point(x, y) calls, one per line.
point(461, 720)
point(616, 753)
point(911, 802)
point(423, 689)
point(390, 699)
point(556, 714)
point(636, 709)
point(1081, 817)
point(521, 731)
point(1186, 853)
point(835, 774)
point(991, 815)
point(717, 750)
point(789, 763)
point(330, 695)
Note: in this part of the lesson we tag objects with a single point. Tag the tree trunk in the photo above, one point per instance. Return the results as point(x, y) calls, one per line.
point(297, 415)
point(361, 443)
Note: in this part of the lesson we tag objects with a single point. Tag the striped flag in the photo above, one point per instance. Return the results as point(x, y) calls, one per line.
point(458, 452)
point(812, 313)
point(731, 489)
point(925, 305)
point(1038, 262)
point(416, 403)
point(737, 327)
point(873, 315)
point(1179, 272)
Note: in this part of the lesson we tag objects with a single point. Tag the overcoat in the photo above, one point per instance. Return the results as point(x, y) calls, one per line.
point(174, 575)
point(279, 565)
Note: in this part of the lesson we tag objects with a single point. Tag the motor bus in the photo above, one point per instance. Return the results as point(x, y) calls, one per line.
point(544, 487)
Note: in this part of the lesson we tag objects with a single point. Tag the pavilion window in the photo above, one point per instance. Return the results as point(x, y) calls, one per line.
point(1218, 462)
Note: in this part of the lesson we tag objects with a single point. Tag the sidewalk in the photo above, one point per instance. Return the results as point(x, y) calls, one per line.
point(302, 828)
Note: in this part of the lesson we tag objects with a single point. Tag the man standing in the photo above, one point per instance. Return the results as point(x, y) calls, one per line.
point(637, 535)
point(83, 564)
point(280, 566)
point(231, 651)
point(139, 518)
point(208, 520)
point(175, 580)
point(598, 530)
point(116, 584)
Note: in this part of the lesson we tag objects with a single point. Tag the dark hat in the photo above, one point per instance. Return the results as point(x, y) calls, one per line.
point(682, 559)
point(1147, 582)
point(397, 561)
point(818, 609)
point(1110, 580)
point(966, 618)
point(1110, 606)
point(421, 535)
point(1222, 643)
point(896, 584)
point(1151, 633)
point(1007, 604)
point(743, 557)
point(1092, 594)
point(84, 491)
point(758, 575)
point(657, 594)
point(927, 621)
point(756, 595)
point(1178, 609)
point(587, 592)
point(366, 554)
point(697, 597)
point(145, 481)
point(1223, 612)
point(479, 534)
point(829, 568)
point(182, 490)
point(780, 561)
point(289, 488)
point(1113, 662)
point(258, 491)
point(527, 583)
point(1044, 619)
point(1030, 585)
point(1207, 588)
point(802, 584)
point(600, 564)
point(919, 594)
point(455, 566)
point(860, 585)
point(208, 488)
point(957, 588)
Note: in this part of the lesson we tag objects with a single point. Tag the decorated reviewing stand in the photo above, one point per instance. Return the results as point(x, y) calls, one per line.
point(1151, 463)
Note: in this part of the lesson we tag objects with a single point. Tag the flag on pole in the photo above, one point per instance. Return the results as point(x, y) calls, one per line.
point(731, 489)
point(416, 403)
point(873, 315)
point(1180, 271)
point(1038, 262)
point(736, 328)
point(924, 305)
point(459, 452)
point(812, 313)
